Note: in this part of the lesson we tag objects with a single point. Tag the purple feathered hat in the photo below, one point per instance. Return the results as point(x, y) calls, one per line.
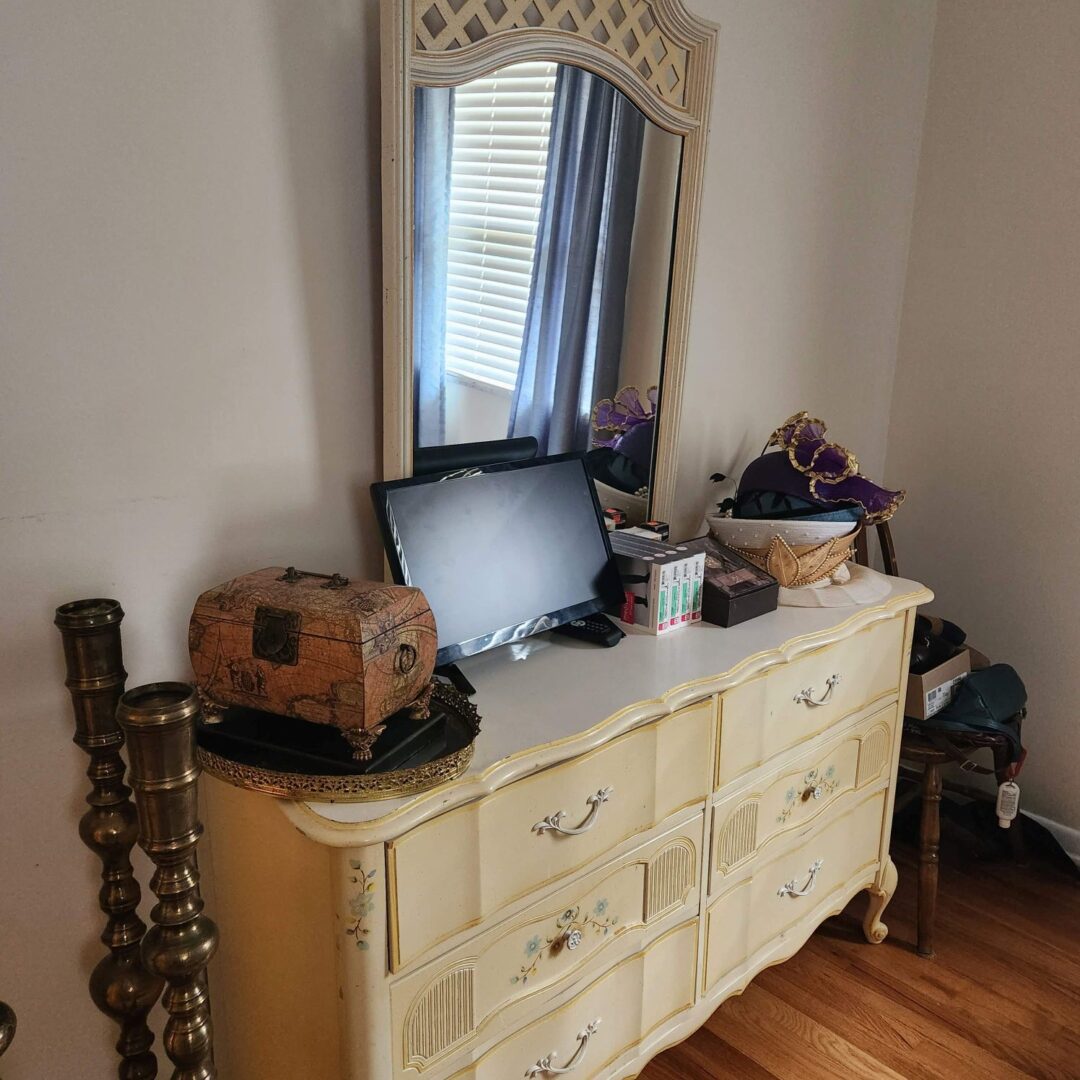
point(809, 467)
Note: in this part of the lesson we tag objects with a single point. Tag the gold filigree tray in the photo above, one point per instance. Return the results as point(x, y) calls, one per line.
point(291, 759)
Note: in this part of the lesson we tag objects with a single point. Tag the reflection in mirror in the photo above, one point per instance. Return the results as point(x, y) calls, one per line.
point(544, 206)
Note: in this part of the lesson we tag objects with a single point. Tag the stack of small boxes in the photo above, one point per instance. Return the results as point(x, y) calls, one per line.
point(662, 582)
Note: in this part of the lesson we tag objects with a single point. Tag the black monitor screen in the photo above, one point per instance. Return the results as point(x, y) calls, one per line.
point(500, 552)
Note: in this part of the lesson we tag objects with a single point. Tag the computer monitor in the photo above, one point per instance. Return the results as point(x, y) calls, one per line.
point(429, 460)
point(502, 551)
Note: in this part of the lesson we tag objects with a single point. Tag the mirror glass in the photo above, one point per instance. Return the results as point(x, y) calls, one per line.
point(544, 207)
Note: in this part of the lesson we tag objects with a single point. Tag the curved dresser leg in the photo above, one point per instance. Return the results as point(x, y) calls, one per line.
point(880, 894)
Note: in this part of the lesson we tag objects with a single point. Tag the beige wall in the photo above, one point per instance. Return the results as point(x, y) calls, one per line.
point(810, 180)
point(189, 313)
point(988, 379)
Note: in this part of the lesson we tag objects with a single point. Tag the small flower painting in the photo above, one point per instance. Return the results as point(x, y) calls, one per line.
point(361, 904)
point(569, 934)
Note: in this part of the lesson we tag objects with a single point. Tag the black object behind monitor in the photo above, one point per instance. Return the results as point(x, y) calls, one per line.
point(501, 552)
point(429, 460)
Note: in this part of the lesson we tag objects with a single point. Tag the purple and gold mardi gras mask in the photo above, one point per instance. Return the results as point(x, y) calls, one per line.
point(808, 466)
point(614, 417)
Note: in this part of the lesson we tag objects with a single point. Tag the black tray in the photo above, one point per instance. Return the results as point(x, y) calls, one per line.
point(296, 759)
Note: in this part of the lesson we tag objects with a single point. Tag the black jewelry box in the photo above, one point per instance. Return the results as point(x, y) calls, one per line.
point(734, 589)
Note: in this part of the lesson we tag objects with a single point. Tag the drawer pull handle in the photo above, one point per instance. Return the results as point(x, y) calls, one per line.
point(545, 1066)
point(573, 937)
point(814, 792)
point(554, 822)
point(792, 889)
point(807, 696)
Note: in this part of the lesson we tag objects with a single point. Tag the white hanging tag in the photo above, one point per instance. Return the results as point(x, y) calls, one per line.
point(1008, 803)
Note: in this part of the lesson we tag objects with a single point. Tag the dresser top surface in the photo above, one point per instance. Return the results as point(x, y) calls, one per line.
point(549, 698)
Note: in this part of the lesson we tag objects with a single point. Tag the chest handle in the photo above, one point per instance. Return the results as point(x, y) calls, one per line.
point(554, 822)
point(807, 696)
point(546, 1066)
point(790, 888)
point(333, 581)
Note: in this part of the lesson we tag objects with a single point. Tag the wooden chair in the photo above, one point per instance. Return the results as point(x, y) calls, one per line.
point(921, 752)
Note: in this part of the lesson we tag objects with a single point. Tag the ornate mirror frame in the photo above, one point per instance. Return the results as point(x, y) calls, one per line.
point(656, 52)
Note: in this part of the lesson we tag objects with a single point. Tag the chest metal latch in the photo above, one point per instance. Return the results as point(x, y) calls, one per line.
point(275, 635)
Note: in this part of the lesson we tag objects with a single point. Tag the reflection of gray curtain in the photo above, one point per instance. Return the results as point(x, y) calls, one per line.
point(573, 331)
point(433, 118)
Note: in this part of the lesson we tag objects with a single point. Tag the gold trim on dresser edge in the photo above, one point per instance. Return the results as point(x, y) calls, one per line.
point(663, 821)
point(854, 718)
point(692, 989)
point(707, 1004)
point(669, 823)
point(746, 803)
point(824, 719)
point(663, 844)
point(706, 990)
point(524, 762)
point(873, 792)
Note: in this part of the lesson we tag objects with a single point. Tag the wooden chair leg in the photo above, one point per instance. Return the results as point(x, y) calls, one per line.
point(929, 845)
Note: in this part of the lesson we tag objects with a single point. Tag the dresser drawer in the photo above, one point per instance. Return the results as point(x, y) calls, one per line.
point(604, 1021)
point(440, 1008)
point(789, 799)
point(795, 702)
point(458, 870)
point(782, 899)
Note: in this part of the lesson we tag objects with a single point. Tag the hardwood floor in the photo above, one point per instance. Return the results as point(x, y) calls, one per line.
point(1001, 999)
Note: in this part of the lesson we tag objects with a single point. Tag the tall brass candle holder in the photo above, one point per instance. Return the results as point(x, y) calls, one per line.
point(119, 985)
point(159, 721)
point(7, 1026)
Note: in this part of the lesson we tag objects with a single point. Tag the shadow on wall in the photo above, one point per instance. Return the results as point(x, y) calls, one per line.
point(809, 186)
point(328, 58)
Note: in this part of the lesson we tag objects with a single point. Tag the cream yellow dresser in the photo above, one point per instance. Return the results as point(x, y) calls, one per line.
point(641, 831)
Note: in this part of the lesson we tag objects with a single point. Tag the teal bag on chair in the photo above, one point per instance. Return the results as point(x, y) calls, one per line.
point(985, 702)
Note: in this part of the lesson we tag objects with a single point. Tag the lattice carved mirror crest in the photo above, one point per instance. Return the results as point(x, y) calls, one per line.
point(655, 52)
point(626, 27)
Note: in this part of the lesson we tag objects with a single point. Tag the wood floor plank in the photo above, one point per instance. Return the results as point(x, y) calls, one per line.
point(698, 1058)
point(778, 1036)
point(916, 1045)
point(1000, 1001)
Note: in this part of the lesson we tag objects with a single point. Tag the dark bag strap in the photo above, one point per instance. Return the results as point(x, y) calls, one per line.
point(938, 738)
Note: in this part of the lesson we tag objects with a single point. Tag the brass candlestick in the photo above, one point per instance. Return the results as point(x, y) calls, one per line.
point(159, 721)
point(119, 985)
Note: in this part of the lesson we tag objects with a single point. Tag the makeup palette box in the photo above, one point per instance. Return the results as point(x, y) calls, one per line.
point(733, 589)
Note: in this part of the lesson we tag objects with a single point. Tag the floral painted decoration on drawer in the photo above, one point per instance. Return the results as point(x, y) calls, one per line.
point(569, 933)
point(815, 784)
point(361, 904)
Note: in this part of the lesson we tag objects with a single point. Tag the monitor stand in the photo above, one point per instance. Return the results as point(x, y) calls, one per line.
point(456, 677)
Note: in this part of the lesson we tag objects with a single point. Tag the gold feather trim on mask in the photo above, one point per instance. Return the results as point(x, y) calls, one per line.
point(801, 564)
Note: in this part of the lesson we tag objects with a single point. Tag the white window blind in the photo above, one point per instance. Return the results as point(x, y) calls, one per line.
point(500, 150)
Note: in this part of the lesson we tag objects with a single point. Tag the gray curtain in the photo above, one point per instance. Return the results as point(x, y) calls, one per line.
point(433, 116)
point(573, 330)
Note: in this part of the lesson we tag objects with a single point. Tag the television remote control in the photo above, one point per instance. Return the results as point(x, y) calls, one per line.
point(598, 629)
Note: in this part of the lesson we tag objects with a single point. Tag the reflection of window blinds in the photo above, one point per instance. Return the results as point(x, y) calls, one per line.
point(501, 126)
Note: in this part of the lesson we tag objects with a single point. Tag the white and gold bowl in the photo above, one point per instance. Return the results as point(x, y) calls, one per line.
point(797, 553)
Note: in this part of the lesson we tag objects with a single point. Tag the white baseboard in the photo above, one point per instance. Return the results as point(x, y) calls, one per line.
point(1066, 836)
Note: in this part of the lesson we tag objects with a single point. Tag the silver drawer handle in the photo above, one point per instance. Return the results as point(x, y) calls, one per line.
point(791, 889)
point(544, 1066)
point(554, 822)
point(807, 696)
